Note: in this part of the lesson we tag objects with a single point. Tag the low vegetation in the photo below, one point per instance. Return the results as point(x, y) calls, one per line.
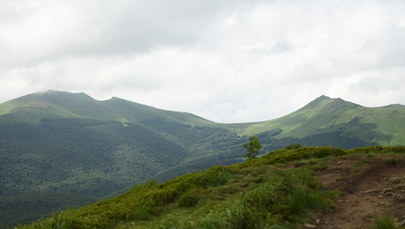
point(277, 190)
point(384, 222)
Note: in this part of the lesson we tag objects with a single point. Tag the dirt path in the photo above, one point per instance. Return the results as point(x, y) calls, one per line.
point(371, 187)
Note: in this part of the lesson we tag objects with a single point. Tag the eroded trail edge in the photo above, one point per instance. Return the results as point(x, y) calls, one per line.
point(371, 187)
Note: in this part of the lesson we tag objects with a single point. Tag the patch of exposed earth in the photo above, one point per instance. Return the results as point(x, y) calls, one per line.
point(371, 187)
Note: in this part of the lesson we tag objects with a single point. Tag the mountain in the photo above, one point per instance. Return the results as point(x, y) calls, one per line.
point(78, 150)
point(31, 109)
point(61, 149)
point(327, 121)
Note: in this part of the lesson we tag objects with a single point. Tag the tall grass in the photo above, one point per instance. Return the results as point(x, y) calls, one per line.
point(384, 222)
point(282, 201)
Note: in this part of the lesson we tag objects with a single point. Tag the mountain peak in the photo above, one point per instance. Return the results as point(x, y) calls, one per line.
point(324, 103)
point(323, 97)
point(52, 93)
point(316, 102)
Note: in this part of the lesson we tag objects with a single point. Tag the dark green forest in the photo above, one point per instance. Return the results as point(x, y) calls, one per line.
point(90, 160)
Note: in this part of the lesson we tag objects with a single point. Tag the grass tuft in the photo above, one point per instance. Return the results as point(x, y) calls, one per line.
point(384, 222)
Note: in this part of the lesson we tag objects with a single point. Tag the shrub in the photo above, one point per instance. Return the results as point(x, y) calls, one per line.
point(189, 199)
point(140, 213)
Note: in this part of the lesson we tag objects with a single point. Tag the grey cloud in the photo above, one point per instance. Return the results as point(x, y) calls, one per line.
point(142, 25)
point(103, 27)
point(227, 60)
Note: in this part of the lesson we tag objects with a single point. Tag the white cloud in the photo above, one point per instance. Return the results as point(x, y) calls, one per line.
point(228, 61)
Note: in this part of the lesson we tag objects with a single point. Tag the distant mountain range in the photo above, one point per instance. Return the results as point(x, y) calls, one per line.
point(61, 149)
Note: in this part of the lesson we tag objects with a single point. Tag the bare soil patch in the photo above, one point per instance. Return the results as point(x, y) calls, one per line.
point(371, 187)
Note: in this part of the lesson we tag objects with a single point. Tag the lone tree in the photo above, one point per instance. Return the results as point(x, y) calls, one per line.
point(253, 147)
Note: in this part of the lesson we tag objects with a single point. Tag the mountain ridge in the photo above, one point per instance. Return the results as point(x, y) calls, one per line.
point(325, 114)
point(72, 144)
point(49, 94)
point(80, 105)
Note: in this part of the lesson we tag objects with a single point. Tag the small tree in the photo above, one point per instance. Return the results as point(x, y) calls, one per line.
point(253, 147)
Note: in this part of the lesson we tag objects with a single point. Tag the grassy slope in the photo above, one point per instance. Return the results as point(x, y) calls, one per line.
point(32, 108)
point(253, 194)
point(303, 121)
point(326, 115)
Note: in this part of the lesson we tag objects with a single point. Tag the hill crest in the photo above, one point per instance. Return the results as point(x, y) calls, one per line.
point(60, 104)
point(67, 100)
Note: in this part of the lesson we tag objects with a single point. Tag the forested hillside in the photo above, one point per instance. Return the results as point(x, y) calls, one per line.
point(78, 150)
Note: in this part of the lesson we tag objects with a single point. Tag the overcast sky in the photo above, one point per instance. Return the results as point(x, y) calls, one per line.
point(225, 60)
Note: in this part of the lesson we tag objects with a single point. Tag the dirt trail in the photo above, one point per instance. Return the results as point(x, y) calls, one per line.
point(371, 187)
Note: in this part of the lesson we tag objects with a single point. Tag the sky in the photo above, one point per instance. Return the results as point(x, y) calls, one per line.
point(225, 60)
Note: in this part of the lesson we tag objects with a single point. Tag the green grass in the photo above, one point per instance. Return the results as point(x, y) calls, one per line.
point(384, 222)
point(285, 198)
point(283, 156)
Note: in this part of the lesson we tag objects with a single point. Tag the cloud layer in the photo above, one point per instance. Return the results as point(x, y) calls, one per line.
point(228, 61)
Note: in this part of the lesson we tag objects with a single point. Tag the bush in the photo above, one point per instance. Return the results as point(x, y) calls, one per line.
point(189, 199)
point(140, 213)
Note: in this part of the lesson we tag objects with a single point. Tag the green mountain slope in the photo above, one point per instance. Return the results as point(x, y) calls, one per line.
point(70, 145)
point(333, 122)
point(57, 104)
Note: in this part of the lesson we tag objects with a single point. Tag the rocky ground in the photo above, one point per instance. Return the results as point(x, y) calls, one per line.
point(371, 187)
